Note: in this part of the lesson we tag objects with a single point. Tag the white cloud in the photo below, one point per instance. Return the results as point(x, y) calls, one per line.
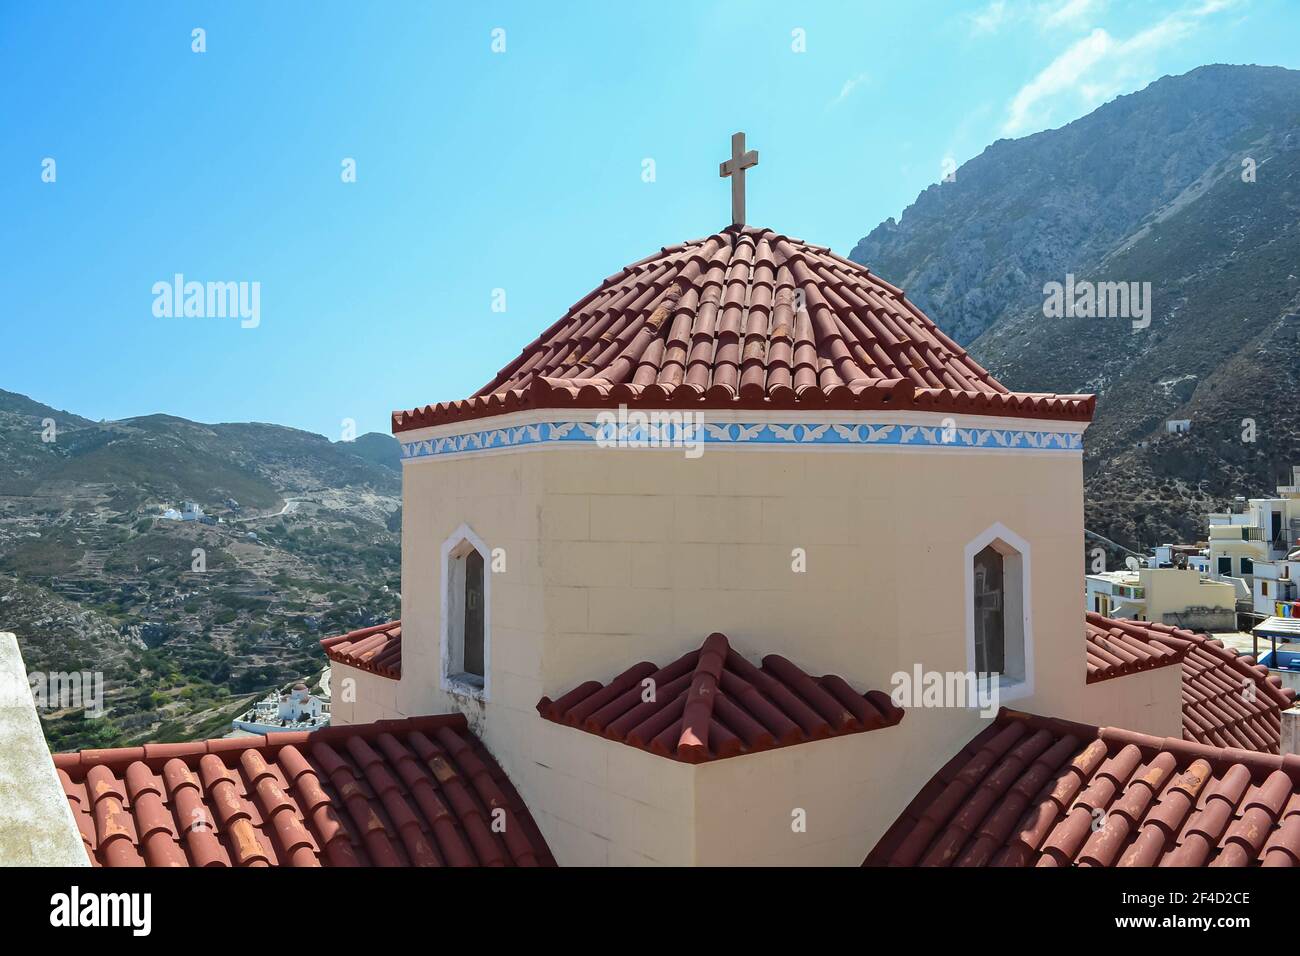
point(1064, 73)
point(1098, 66)
point(849, 86)
point(1048, 15)
point(1072, 13)
point(989, 19)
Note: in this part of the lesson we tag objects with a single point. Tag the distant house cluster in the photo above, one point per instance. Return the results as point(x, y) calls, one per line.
point(190, 511)
point(1257, 543)
point(294, 709)
point(1249, 564)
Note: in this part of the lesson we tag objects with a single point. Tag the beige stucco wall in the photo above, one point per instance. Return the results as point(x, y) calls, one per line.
point(359, 697)
point(650, 552)
point(1148, 702)
point(1173, 591)
point(849, 791)
point(501, 499)
point(615, 556)
point(601, 803)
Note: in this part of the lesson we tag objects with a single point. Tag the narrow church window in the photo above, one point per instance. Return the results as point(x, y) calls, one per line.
point(998, 630)
point(466, 615)
point(990, 637)
point(473, 629)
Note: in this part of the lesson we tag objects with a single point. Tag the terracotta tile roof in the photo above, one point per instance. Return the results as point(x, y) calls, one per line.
point(717, 323)
point(713, 703)
point(376, 649)
point(1116, 648)
point(415, 792)
point(1228, 699)
point(1034, 791)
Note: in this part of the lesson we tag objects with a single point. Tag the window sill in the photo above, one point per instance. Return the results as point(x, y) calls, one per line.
point(1010, 688)
point(1013, 689)
point(465, 685)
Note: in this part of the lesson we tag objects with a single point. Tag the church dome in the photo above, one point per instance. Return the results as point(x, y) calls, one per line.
point(747, 319)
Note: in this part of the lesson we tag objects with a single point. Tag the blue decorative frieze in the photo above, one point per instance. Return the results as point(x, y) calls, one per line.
point(674, 433)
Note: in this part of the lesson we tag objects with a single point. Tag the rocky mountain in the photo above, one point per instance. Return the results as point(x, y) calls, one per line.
point(1191, 185)
point(186, 620)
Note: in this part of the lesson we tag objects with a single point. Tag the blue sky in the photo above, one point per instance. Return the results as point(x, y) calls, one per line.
point(520, 170)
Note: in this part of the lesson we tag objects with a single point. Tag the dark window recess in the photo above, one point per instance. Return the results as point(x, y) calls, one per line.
point(990, 632)
point(1225, 565)
point(474, 614)
point(1247, 566)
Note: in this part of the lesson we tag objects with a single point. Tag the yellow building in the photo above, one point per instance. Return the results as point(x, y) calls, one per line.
point(1181, 597)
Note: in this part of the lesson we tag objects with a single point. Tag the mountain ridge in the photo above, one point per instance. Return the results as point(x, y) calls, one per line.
point(1191, 184)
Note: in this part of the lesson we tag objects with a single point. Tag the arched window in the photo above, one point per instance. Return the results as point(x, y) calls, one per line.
point(998, 631)
point(465, 614)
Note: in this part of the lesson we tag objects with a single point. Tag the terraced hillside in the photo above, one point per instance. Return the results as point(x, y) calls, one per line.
point(186, 620)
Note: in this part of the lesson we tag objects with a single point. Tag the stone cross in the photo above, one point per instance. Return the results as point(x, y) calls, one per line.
point(735, 167)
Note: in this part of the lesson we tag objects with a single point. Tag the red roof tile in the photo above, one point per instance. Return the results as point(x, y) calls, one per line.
point(712, 703)
point(1228, 699)
point(718, 323)
point(416, 792)
point(1034, 791)
point(1116, 648)
point(376, 649)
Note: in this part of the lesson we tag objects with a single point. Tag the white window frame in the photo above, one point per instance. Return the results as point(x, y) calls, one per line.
point(454, 549)
point(1015, 571)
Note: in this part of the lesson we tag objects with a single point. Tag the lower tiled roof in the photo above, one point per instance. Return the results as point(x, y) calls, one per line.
point(377, 649)
point(1116, 648)
point(1034, 791)
point(1228, 699)
point(416, 792)
point(713, 703)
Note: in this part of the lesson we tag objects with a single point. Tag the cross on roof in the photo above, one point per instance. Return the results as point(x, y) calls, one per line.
point(737, 164)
